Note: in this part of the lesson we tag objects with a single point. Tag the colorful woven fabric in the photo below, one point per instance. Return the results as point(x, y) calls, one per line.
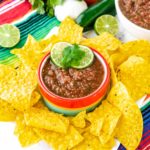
point(19, 12)
point(29, 22)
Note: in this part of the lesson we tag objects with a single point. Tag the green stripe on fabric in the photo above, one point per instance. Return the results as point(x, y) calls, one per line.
point(145, 106)
point(36, 25)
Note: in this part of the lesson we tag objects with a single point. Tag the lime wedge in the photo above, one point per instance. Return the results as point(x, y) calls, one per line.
point(9, 35)
point(87, 59)
point(106, 23)
point(56, 53)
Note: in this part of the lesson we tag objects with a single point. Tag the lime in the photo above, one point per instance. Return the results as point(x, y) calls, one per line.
point(106, 23)
point(56, 52)
point(9, 35)
point(87, 59)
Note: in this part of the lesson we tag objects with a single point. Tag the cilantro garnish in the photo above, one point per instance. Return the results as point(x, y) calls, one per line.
point(72, 55)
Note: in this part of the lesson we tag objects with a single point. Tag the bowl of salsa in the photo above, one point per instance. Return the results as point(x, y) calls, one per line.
point(71, 90)
point(134, 16)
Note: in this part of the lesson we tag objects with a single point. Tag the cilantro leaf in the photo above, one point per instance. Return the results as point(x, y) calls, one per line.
point(47, 6)
point(72, 55)
point(39, 5)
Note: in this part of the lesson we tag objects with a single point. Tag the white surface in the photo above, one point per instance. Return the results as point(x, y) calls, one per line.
point(133, 29)
point(9, 141)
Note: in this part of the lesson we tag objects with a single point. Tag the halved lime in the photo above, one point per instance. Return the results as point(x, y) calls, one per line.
point(106, 23)
point(9, 35)
point(56, 52)
point(87, 59)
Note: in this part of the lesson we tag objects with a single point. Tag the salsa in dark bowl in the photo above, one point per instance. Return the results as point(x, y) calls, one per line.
point(73, 83)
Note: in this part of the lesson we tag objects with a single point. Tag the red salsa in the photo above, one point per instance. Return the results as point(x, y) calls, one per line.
point(73, 83)
point(137, 11)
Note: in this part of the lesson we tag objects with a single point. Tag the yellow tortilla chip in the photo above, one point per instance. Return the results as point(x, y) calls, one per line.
point(7, 112)
point(34, 98)
point(96, 121)
point(79, 120)
point(6, 72)
point(104, 121)
point(26, 135)
point(108, 41)
point(112, 116)
point(130, 125)
point(20, 124)
point(45, 119)
point(61, 141)
point(51, 41)
point(105, 42)
point(17, 89)
point(70, 32)
point(139, 48)
point(134, 74)
point(117, 59)
point(31, 49)
point(92, 142)
point(40, 104)
point(96, 126)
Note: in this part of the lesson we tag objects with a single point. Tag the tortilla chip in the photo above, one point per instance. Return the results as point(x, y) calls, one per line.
point(7, 112)
point(26, 135)
point(139, 48)
point(34, 98)
point(104, 121)
point(96, 121)
point(108, 41)
point(91, 142)
point(6, 71)
point(61, 141)
point(31, 49)
point(112, 116)
point(45, 119)
point(105, 42)
point(51, 41)
point(96, 126)
point(70, 32)
point(134, 73)
point(130, 125)
point(40, 104)
point(20, 124)
point(79, 120)
point(117, 59)
point(17, 89)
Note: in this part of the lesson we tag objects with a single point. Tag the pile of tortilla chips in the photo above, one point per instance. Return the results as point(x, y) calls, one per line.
point(118, 117)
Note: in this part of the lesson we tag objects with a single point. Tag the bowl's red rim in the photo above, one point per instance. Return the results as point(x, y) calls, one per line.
point(100, 91)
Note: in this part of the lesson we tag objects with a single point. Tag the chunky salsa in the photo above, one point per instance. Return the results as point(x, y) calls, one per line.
point(137, 11)
point(73, 83)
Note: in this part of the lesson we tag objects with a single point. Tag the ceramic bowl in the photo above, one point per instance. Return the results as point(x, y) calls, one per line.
point(72, 106)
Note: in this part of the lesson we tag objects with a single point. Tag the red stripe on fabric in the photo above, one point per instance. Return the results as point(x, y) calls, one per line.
point(147, 147)
point(148, 96)
point(144, 143)
point(145, 134)
point(3, 3)
point(15, 13)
